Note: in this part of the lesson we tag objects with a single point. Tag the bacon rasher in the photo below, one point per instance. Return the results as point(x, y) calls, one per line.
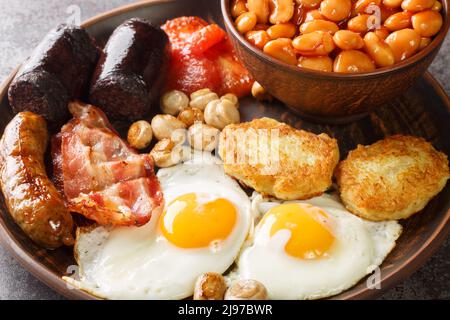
point(101, 176)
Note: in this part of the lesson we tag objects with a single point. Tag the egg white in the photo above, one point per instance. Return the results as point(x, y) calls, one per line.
point(140, 263)
point(360, 246)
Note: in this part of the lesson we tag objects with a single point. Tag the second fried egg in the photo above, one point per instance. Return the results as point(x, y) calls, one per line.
point(313, 249)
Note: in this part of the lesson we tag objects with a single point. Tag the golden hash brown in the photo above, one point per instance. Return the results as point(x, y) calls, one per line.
point(392, 178)
point(277, 160)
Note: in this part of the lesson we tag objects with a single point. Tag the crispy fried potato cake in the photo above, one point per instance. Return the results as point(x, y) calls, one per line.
point(277, 160)
point(392, 178)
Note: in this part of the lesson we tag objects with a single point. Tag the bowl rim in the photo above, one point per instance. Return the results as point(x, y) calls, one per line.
point(398, 67)
point(52, 280)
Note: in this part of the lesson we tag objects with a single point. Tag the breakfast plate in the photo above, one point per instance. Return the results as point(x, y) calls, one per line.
point(423, 110)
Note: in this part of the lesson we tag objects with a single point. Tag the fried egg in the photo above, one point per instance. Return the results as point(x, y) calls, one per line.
point(202, 227)
point(312, 249)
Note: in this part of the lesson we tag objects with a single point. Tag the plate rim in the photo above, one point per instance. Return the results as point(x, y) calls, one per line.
point(46, 276)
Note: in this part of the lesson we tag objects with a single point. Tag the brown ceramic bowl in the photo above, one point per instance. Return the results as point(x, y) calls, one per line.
point(332, 97)
point(424, 111)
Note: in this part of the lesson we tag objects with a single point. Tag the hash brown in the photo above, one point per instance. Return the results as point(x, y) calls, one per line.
point(392, 178)
point(277, 160)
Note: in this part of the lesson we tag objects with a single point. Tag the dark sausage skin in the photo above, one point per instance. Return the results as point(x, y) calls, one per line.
point(59, 69)
point(129, 74)
point(31, 198)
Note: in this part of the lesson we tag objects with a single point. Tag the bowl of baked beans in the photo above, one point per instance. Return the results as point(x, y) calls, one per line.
point(335, 60)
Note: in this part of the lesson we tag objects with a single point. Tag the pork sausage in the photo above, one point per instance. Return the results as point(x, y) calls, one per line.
point(31, 198)
point(59, 69)
point(129, 74)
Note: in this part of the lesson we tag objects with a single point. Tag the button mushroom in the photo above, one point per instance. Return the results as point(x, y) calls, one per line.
point(166, 153)
point(203, 137)
point(200, 98)
point(209, 286)
point(140, 134)
point(163, 126)
point(173, 102)
point(190, 115)
point(220, 113)
point(246, 290)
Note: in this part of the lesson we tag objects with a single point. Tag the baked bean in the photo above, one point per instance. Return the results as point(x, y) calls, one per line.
point(282, 30)
point(437, 6)
point(335, 10)
point(314, 15)
point(378, 50)
point(260, 8)
point(360, 24)
point(319, 25)
point(424, 42)
point(323, 63)
point(257, 38)
point(281, 49)
point(392, 3)
point(238, 7)
point(317, 43)
point(282, 11)
point(246, 22)
point(382, 32)
point(404, 43)
point(352, 61)
point(398, 21)
point(360, 6)
point(417, 5)
point(310, 4)
point(427, 23)
point(348, 40)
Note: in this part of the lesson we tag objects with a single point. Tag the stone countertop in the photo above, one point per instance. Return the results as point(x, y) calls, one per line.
point(23, 24)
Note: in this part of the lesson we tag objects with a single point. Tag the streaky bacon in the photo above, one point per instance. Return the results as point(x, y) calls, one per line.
point(101, 176)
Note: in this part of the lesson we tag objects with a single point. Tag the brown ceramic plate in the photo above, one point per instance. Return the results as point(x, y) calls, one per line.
point(424, 110)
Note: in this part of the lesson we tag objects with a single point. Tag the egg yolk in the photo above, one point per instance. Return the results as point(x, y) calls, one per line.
point(311, 237)
point(188, 223)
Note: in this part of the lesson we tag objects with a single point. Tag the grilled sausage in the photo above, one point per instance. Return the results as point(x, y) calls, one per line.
point(129, 76)
point(58, 70)
point(30, 196)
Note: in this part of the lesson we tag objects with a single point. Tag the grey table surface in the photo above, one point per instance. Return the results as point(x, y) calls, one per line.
point(23, 23)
